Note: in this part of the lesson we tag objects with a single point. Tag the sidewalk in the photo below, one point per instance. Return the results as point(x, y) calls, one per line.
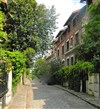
point(22, 99)
point(88, 98)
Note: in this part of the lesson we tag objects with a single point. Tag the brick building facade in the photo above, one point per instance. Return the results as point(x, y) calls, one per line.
point(69, 37)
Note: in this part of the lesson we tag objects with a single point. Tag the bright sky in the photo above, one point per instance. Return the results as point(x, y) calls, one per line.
point(63, 7)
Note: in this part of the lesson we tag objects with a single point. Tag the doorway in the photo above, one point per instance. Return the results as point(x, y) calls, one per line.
point(84, 78)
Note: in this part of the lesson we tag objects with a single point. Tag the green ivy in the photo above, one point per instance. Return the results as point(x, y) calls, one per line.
point(89, 50)
point(72, 74)
point(18, 61)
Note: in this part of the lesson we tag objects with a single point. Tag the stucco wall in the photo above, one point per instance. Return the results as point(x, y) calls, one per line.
point(92, 85)
point(8, 96)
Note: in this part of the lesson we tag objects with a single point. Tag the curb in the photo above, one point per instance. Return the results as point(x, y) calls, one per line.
point(93, 104)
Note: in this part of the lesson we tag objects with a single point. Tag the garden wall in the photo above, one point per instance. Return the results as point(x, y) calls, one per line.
point(92, 85)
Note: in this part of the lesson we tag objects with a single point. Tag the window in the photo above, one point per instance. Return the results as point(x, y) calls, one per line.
point(63, 61)
point(68, 61)
point(63, 49)
point(68, 28)
point(72, 60)
point(67, 45)
point(71, 43)
point(74, 22)
point(58, 52)
point(77, 38)
point(76, 58)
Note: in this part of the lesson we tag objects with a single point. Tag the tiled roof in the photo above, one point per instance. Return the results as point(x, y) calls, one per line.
point(74, 13)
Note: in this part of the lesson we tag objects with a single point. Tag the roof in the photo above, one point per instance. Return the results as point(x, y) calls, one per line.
point(75, 13)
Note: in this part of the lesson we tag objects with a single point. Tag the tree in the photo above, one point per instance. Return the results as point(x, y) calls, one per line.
point(41, 67)
point(89, 50)
point(46, 25)
point(29, 25)
point(3, 35)
point(55, 65)
point(19, 25)
point(29, 53)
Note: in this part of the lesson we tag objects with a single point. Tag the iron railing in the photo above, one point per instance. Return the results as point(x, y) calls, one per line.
point(3, 84)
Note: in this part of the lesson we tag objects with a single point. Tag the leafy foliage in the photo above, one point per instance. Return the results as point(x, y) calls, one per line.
point(55, 65)
point(46, 70)
point(67, 72)
point(28, 24)
point(29, 53)
point(41, 67)
point(5, 64)
point(12, 60)
point(18, 62)
point(90, 49)
point(3, 35)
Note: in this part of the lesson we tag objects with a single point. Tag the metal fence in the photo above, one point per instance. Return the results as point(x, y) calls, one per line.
point(3, 84)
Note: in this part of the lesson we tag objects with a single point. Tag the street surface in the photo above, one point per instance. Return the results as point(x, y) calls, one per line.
point(51, 97)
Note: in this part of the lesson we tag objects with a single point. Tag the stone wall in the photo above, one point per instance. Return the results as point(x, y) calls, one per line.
point(92, 85)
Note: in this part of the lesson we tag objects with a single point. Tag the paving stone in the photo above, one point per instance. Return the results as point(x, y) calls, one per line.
point(36, 95)
point(51, 97)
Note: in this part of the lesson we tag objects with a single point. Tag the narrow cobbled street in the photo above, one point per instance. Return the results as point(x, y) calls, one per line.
point(50, 97)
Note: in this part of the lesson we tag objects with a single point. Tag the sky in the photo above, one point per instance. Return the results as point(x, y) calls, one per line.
point(64, 8)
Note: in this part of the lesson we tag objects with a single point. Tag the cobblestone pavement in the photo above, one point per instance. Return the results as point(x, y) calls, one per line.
point(50, 97)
